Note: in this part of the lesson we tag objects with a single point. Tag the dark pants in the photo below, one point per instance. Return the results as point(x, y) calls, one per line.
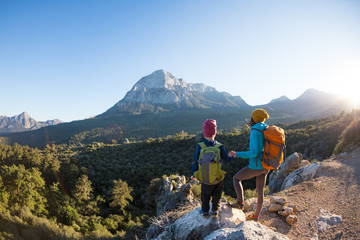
point(247, 173)
point(213, 191)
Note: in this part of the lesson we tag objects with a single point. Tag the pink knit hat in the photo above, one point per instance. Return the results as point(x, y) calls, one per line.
point(209, 128)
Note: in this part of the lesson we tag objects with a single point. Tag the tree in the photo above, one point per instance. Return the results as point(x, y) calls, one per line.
point(25, 187)
point(121, 194)
point(83, 189)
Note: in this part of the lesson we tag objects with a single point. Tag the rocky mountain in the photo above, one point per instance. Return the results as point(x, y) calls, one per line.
point(22, 122)
point(161, 92)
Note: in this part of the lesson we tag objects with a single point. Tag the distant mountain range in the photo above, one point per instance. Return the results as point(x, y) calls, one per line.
point(161, 104)
point(23, 122)
point(162, 92)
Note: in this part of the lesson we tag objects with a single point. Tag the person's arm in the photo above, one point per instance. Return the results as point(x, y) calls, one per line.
point(255, 138)
point(195, 166)
point(224, 155)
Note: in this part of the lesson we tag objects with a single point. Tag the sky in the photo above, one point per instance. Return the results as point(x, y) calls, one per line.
point(71, 60)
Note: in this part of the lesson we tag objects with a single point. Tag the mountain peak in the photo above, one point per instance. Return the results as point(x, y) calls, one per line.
point(313, 94)
point(24, 114)
point(162, 91)
point(159, 79)
point(283, 98)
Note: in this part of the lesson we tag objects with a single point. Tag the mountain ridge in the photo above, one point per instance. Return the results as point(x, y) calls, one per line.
point(160, 104)
point(161, 91)
point(23, 122)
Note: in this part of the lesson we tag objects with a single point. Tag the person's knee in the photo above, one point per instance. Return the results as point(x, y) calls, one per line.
point(235, 179)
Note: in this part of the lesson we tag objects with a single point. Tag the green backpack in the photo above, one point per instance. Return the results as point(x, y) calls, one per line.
point(210, 171)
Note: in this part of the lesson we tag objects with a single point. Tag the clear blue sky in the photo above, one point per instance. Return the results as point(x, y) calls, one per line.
point(75, 59)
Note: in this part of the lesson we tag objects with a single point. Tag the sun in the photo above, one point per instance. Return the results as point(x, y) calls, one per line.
point(355, 98)
point(349, 92)
point(344, 80)
point(352, 94)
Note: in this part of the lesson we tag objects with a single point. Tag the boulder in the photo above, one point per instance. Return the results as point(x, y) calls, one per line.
point(300, 175)
point(194, 226)
point(278, 200)
point(326, 220)
point(250, 204)
point(275, 207)
point(291, 163)
point(247, 230)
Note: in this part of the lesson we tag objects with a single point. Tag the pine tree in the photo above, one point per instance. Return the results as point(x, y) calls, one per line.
point(121, 194)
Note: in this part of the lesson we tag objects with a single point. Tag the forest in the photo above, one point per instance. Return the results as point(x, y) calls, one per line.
point(108, 189)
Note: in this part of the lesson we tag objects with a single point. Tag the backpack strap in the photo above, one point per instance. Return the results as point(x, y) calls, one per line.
point(202, 145)
point(218, 145)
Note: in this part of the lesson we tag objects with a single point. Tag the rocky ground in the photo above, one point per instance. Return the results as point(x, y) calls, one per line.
point(322, 199)
point(334, 191)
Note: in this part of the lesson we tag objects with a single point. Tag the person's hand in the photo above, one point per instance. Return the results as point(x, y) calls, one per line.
point(232, 154)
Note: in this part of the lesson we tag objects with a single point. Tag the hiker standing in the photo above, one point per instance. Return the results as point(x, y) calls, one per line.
point(206, 167)
point(254, 169)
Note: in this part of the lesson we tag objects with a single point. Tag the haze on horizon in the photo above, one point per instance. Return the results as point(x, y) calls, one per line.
point(70, 60)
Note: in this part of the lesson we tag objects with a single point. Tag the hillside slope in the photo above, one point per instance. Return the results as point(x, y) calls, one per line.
point(335, 189)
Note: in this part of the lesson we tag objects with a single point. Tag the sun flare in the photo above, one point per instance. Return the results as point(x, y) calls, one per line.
point(353, 95)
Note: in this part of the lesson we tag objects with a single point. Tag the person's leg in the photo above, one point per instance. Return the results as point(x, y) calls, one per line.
point(243, 174)
point(260, 186)
point(216, 195)
point(205, 197)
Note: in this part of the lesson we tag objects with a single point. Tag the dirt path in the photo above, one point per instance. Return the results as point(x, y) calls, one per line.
point(336, 190)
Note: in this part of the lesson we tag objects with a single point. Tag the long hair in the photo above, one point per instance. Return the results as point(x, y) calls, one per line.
point(252, 122)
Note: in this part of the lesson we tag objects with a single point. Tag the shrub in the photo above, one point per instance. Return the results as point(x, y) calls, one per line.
point(248, 193)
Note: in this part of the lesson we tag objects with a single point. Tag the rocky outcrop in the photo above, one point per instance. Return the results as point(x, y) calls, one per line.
point(194, 226)
point(300, 175)
point(230, 224)
point(174, 193)
point(247, 230)
point(294, 170)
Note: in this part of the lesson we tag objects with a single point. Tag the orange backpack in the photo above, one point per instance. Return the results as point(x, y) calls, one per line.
point(274, 147)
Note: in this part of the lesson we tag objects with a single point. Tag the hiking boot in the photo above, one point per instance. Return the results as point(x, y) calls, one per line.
point(204, 214)
point(236, 205)
point(214, 213)
point(251, 217)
